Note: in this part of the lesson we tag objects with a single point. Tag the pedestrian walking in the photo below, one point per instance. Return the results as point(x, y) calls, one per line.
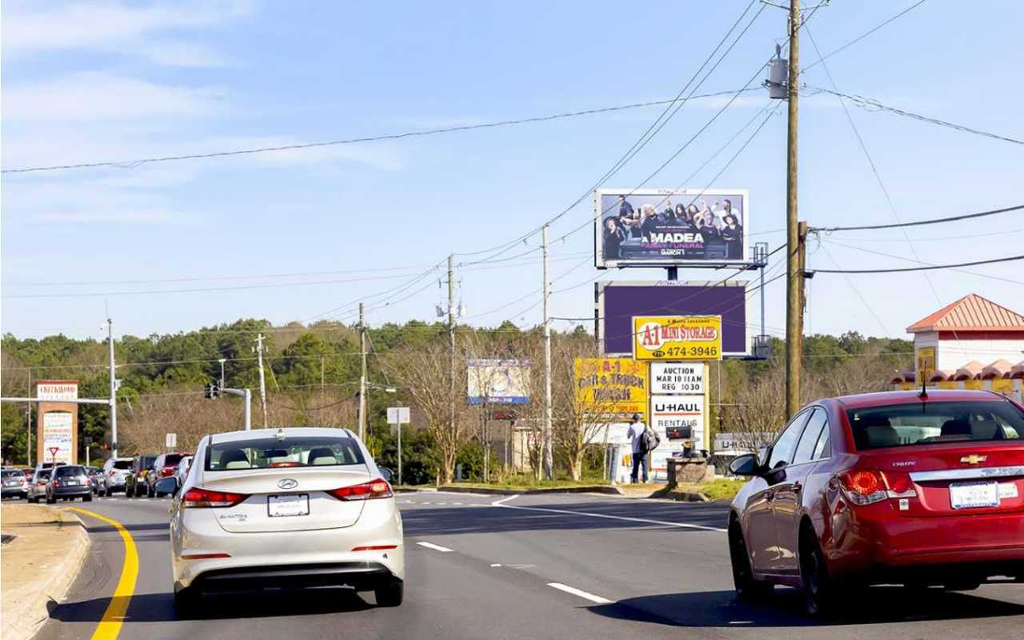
point(636, 436)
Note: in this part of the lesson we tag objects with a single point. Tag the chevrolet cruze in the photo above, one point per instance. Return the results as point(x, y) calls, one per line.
point(284, 508)
point(885, 488)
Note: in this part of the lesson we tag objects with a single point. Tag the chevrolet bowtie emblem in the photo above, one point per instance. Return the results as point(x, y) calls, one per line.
point(973, 459)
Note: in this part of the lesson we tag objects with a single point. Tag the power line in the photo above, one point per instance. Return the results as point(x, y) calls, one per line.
point(822, 58)
point(918, 223)
point(870, 104)
point(132, 164)
point(928, 268)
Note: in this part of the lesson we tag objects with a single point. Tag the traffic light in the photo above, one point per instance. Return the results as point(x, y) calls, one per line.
point(212, 391)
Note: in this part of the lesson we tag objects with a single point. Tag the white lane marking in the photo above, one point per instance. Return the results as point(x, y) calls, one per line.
point(457, 504)
point(435, 547)
point(498, 503)
point(427, 502)
point(495, 565)
point(683, 525)
point(576, 592)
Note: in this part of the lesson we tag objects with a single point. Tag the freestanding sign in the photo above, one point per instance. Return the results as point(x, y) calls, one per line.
point(399, 416)
point(679, 418)
point(677, 337)
point(58, 437)
point(493, 381)
point(57, 420)
point(675, 378)
point(613, 387)
point(171, 440)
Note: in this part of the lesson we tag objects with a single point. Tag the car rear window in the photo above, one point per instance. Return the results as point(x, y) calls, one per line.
point(43, 475)
point(12, 474)
point(122, 464)
point(172, 459)
point(924, 423)
point(70, 471)
point(265, 453)
point(147, 462)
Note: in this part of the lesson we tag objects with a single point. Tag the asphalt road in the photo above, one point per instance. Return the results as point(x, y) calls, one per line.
point(530, 567)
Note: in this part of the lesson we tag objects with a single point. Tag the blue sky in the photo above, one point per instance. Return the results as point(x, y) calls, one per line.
point(118, 81)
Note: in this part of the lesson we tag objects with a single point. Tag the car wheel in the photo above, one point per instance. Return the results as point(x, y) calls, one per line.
point(150, 493)
point(747, 588)
point(390, 594)
point(186, 603)
point(50, 500)
point(87, 497)
point(816, 584)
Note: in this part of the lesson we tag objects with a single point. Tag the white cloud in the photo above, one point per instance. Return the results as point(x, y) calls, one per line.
point(103, 96)
point(133, 217)
point(177, 53)
point(33, 27)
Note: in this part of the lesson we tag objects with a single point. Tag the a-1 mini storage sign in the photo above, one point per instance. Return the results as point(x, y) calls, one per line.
point(672, 378)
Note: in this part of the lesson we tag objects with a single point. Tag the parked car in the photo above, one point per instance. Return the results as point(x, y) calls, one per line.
point(37, 485)
point(163, 467)
point(181, 472)
point(95, 475)
point(115, 473)
point(67, 483)
point(296, 507)
point(15, 484)
point(897, 487)
point(135, 483)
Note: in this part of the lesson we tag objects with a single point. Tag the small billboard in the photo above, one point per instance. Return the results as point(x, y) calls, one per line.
point(493, 381)
point(617, 302)
point(614, 388)
point(670, 227)
point(677, 337)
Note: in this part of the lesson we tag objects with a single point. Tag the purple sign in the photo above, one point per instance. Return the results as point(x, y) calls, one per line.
point(618, 302)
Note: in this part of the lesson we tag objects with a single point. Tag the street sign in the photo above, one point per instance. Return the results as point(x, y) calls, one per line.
point(671, 378)
point(679, 417)
point(925, 360)
point(677, 337)
point(53, 452)
point(398, 415)
point(171, 440)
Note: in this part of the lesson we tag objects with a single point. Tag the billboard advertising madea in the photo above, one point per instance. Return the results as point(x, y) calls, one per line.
point(670, 227)
point(617, 302)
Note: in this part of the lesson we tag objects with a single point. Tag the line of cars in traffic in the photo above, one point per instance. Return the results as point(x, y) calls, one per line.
point(135, 477)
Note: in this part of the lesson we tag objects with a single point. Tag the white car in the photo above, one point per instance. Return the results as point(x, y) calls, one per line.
point(115, 470)
point(282, 508)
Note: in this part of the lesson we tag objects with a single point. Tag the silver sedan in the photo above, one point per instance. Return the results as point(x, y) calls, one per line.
point(284, 508)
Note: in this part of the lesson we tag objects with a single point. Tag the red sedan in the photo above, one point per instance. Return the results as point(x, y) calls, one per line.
point(883, 488)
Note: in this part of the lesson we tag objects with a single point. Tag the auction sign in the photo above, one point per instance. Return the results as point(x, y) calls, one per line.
point(669, 227)
point(677, 378)
point(499, 381)
point(612, 387)
point(677, 337)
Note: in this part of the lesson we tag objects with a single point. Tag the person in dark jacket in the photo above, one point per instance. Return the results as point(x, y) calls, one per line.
point(625, 209)
point(650, 222)
point(613, 237)
point(732, 233)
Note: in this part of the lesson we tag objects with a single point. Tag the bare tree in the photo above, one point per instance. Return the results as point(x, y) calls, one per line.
point(757, 410)
point(580, 418)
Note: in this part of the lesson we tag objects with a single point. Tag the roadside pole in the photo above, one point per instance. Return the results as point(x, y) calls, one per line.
point(548, 457)
point(362, 375)
point(113, 391)
point(794, 276)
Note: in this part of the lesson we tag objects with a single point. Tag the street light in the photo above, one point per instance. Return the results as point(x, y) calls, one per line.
point(222, 361)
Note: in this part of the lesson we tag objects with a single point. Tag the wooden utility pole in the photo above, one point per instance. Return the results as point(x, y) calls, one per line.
point(549, 471)
point(451, 343)
point(263, 383)
point(794, 274)
point(362, 375)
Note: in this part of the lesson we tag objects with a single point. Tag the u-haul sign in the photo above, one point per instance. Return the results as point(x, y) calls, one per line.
point(679, 417)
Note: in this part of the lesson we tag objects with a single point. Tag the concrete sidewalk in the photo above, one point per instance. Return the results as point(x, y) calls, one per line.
point(38, 565)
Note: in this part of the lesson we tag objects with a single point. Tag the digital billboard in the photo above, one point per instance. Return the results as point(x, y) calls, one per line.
point(670, 227)
point(617, 302)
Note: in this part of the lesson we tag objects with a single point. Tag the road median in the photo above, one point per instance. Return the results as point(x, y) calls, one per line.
point(39, 564)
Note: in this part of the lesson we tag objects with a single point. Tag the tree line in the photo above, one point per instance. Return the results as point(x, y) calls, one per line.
point(312, 375)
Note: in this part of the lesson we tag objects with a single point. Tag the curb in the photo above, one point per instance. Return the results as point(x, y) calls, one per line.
point(529, 492)
point(682, 496)
point(23, 619)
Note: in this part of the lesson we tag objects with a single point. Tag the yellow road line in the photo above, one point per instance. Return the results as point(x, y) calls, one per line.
point(113, 617)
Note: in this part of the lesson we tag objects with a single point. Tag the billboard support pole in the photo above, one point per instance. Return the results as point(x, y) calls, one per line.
point(794, 277)
point(548, 459)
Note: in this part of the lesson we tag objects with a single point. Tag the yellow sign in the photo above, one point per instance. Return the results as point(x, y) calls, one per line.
point(975, 385)
point(1002, 385)
point(947, 384)
point(677, 337)
point(925, 357)
point(611, 386)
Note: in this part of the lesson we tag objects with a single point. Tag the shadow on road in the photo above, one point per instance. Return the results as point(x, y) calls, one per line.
point(424, 521)
point(159, 607)
point(786, 608)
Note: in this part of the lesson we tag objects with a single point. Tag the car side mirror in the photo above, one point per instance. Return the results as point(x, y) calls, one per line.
point(744, 465)
point(166, 485)
point(385, 473)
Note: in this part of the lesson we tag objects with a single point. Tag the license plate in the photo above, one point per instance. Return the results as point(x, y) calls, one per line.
point(295, 504)
point(972, 495)
point(72, 483)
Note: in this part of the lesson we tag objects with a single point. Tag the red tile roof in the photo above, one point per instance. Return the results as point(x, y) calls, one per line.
point(970, 313)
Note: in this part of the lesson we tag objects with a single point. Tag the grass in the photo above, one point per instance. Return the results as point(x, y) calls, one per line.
point(524, 482)
point(720, 489)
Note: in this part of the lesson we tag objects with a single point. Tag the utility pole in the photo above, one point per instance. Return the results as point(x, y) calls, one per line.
point(794, 274)
point(451, 342)
point(113, 391)
point(263, 384)
point(28, 409)
point(222, 361)
point(362, 375)
point(548, 458)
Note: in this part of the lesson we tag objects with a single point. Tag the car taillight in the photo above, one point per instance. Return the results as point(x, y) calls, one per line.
point(863, 486)
point(166, 471)
point(196, 498)
point(899, 484)
point(41, 483)
point(366, 491)
point(56, 483)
